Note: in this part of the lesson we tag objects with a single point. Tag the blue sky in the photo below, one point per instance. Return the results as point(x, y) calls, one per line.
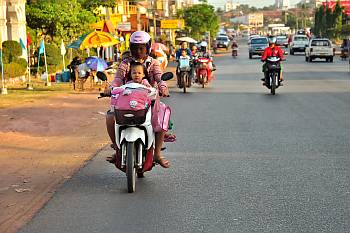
point(256, 3)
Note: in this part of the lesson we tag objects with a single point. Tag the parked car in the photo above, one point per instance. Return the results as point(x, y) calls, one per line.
point(282, 41)
point(319, 48)
point(257, 46)
point(222, 42)
point(298, 44)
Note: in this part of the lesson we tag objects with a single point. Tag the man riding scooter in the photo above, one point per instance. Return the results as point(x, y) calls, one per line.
point(272, 51)
point(184, 46)
point(234, 48)
point(207, 62)
point(205, 52)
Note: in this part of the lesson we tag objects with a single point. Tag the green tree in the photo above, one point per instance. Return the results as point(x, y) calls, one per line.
point(338, 18)
point(200, 19)
point(244, 8)
point(93, 4)
point(291, 20)
point(58, 19)
point(329, 22)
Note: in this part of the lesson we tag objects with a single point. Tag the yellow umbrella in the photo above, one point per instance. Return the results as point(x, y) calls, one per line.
point(98, 39)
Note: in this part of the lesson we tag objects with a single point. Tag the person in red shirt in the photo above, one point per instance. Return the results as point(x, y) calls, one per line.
point(272, 51)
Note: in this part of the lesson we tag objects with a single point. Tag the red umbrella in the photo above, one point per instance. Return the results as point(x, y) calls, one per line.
point(159, 46)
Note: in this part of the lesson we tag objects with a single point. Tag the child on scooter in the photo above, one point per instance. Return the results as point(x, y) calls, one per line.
point(138, 75)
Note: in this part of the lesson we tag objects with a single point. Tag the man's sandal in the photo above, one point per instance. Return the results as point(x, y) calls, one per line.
point(111, 159)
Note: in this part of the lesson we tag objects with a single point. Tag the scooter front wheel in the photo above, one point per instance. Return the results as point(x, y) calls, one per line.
point(130, 166)
point(273, 84)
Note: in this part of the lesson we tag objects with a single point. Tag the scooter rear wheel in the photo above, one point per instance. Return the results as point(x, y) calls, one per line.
point(204, 79)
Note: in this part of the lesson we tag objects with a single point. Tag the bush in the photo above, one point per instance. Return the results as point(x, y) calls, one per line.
point(21, 61)
point(11, 50)
point(14, 69)
point(53, 55)
point(53, 59)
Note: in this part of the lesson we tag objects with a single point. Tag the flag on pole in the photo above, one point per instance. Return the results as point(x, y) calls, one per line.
point(29, 40)
point(42, 47)
point(63, 52)
point(22, 43)
point(63, 49)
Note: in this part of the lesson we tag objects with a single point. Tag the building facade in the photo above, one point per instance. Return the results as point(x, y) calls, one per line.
point(282, 4)
point(13, 20)
point(230, 6)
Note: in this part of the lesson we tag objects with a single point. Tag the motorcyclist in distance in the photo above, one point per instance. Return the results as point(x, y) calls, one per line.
point(272, 51)
point(204, 52)
point(234, 44)
point(184, 46)
point(234, 47)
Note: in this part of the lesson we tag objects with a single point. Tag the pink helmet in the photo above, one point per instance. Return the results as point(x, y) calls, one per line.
point(141, 37)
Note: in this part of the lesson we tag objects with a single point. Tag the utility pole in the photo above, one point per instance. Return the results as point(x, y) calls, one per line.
point(139, 26)
point(154, 20)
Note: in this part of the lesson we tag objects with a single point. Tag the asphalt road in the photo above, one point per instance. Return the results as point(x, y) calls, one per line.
point(244, 161)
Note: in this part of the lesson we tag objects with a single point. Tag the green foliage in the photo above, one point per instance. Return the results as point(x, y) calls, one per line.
point(14, 66)
point(338, 18)
point(200, 19)
point(21, 61)
point(346, 29)
point(64, 19)
point(244, 8)
point(93, 4)
point(14, 69)
point(53, 58)
point(11, 50)
point(328, 22)
point(53, 54)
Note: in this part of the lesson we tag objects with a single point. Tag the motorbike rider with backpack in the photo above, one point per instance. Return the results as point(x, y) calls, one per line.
point(272, 51)
point(140, 48)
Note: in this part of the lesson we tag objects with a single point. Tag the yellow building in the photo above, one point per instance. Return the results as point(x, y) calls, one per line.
point(256, 20)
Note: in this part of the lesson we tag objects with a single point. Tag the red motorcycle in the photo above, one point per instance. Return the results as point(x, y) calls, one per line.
point(203, 71)
point(234, 48)
point(234, 52)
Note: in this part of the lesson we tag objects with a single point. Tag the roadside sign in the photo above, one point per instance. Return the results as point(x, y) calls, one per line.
point(172, 23)
point(126, 26)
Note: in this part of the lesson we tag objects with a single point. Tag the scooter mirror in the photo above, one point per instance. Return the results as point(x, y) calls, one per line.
point(167, 76)
point(100, 75)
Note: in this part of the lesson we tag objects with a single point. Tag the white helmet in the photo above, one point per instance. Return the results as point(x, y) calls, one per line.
point(204, 44)
point(141, 37)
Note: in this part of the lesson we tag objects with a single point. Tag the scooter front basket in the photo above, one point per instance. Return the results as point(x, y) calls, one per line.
point(130, 117)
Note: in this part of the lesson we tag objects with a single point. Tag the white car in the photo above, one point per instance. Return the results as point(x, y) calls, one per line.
point(222, 42)
point(319, 48)
point(298, 44)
